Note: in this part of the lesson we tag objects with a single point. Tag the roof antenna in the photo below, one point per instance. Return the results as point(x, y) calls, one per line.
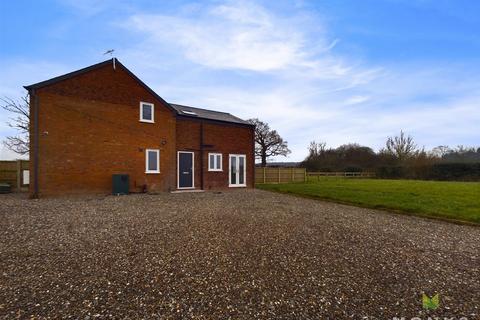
point(110, 52)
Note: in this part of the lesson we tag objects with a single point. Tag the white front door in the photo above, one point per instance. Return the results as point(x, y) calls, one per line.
point(237, 175)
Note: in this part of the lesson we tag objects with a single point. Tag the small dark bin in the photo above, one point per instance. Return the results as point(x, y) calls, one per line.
point(120, 184)
point(5, 188)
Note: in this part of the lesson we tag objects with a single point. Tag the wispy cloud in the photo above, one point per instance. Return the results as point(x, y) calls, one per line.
point(356, 100)
point(243, 36)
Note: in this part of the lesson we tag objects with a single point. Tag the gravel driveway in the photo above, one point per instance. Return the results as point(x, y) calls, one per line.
point(243, 254)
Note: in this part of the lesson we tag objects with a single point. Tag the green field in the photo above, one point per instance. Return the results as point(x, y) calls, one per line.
point(450, 200)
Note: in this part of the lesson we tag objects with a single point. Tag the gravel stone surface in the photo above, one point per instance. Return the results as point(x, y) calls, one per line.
point(245, 254)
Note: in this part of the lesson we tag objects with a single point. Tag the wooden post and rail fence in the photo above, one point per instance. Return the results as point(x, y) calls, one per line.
point(15, 173)
point(280, 175)
point(342, 174)
point(288, 175)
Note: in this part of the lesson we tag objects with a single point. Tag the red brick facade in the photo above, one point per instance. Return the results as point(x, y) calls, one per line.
point(217, 138)
point(89, 129)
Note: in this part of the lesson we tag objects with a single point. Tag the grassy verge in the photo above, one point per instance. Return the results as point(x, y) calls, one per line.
point(448, 200)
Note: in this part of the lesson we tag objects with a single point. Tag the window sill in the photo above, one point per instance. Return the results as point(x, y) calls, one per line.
point(146, 121)
point(152, 172)
point(215, 170)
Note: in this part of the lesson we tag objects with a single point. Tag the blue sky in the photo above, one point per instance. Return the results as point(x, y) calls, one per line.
point(333, 71)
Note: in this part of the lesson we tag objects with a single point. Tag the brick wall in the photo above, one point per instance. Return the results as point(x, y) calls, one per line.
point(89, 129)
point(224, 139)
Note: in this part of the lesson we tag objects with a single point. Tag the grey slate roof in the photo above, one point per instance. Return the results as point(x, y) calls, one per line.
point(206, 114)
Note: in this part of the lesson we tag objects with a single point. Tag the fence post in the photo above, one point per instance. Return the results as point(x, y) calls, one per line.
point(19, 174)
point(278, 174)
point(264, 175)
point(293, 174)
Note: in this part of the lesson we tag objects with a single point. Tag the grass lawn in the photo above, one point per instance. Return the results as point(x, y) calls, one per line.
point(452, 200)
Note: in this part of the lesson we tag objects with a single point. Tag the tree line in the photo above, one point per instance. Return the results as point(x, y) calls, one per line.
point(399, 158)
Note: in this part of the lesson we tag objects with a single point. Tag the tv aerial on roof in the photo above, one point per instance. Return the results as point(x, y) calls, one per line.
point(110, 52)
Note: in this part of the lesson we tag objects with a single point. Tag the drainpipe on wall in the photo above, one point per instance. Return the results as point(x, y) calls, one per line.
point(253, 160)
point(201, 155)
point(35, 143)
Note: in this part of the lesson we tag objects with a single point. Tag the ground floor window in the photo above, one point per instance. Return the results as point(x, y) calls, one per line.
point(152, 161)
point(214, 162)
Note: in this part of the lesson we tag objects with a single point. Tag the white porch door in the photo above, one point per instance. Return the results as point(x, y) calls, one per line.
point(237, 176)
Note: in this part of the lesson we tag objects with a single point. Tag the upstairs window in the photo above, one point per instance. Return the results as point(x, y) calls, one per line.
point(152, 161)
point(146, 112)
point(214, 162)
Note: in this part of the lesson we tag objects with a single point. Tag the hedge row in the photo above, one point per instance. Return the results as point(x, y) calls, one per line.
point(439, 171)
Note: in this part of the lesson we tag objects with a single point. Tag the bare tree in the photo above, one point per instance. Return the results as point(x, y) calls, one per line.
point(316, 148)
point(440, 151)
point(402, 146)
point(20, 121)
point(268, 143)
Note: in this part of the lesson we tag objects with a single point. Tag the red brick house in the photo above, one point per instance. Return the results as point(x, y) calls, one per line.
point(102, 120)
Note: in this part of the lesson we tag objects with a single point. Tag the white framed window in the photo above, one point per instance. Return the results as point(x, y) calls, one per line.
point(152, 161)
point(147, 112)
point(214, 162)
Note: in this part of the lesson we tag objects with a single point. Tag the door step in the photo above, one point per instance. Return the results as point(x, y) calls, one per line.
point(187, 191)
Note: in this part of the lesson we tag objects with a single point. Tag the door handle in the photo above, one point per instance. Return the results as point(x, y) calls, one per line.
point(186, 172)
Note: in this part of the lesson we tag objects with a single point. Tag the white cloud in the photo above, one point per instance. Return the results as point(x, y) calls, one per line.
point(240, 35)
point(356, 100)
